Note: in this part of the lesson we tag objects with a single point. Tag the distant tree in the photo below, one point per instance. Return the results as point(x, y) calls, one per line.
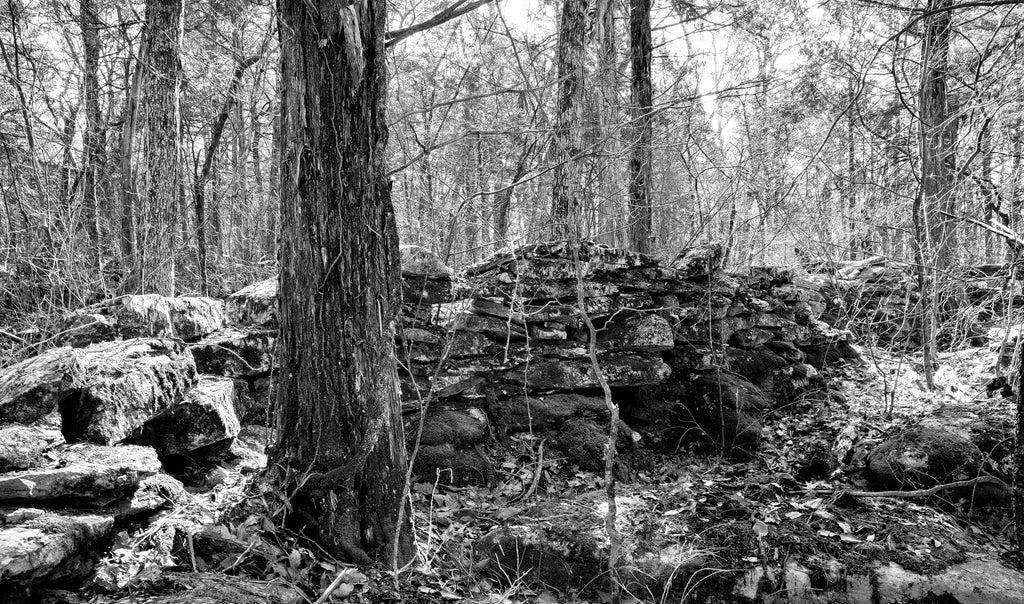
point(342, 446)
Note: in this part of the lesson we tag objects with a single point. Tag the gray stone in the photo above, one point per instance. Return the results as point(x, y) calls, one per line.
point(699, 261)
point(619, 368)
point(646, 332)
point(235, 352)
point(205, 417)
point(146, 316)
point(255, 304)
point(418, 261)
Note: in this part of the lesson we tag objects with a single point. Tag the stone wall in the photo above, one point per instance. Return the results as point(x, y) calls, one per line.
point(692, 355)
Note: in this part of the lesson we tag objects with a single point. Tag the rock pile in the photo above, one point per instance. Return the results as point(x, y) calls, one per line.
point(144, 384)
point(879, 300)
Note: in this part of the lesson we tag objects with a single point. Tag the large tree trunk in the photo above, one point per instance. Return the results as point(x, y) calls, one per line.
point(340, 412)
point(566, 191)
point(938, 135)
point(92, 138)
point(640, 51)
point(161, 101)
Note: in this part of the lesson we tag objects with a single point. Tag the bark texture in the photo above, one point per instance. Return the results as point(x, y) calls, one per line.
point(566, 193)
point(161, 101)
point(641, 50)
point(339, 402)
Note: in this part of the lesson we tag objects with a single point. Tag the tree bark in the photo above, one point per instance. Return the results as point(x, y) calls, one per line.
point(566, 190)
point(640, 51)
point(161, 101)
point(340, 421)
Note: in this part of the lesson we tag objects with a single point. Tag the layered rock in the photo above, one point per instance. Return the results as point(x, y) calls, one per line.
point(83, 474)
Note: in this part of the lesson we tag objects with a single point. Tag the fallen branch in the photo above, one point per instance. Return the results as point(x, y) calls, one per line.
point(929, 491)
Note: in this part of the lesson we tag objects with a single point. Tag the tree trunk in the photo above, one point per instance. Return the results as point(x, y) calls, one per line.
point(92, 138)
point(640, 51)
point(566, 190)
point(938, 135)
point(161, 101)
point(340, 411)
point(608, 205)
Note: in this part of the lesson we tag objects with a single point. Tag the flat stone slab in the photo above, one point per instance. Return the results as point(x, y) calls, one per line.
point(81, 474)
point(38, 546)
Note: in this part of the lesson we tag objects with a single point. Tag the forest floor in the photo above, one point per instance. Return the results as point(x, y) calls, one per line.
point(761, 511)
point(789, 501)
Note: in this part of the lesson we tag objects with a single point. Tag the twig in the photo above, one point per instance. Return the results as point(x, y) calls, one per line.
point(536, 473)
point(11, 336)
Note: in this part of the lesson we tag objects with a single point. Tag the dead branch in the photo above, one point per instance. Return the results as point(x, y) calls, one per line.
point(930, 491)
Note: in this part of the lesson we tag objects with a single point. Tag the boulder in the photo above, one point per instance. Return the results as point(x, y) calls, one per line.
point(235, 352)
point(146, 316)
point(33, 388)
point(205, 417)
point(125, 384)
point(727, 408)
point(542, 413)
point(22, 446)
point(418, 261)
point(255, 304)
point(923, 457)
point(582, 441)
point(82, 474)
point(452, 465)
point(462, 428)
point(562, 545)
point(38, 547)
